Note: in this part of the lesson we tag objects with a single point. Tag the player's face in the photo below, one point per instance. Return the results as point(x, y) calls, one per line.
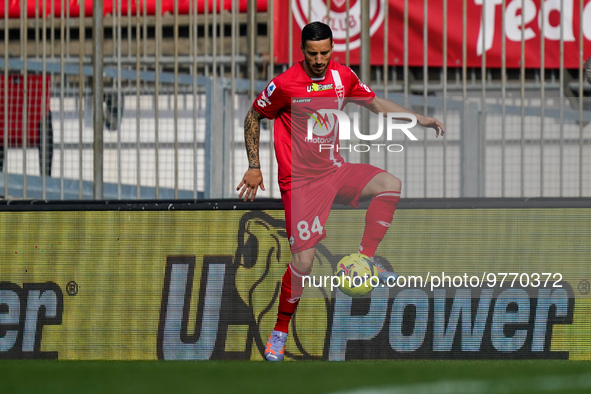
point(317, 55)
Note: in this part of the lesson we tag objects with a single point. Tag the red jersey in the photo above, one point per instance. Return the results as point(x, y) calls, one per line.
point(303, 136)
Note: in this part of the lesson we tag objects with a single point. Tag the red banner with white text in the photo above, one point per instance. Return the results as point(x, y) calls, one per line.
point(133, 7)
point(535, 22)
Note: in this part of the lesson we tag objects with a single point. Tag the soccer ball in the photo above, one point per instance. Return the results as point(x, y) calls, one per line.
point(355, 272)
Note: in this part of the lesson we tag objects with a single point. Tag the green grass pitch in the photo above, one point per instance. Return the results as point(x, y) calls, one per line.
point(351, 377)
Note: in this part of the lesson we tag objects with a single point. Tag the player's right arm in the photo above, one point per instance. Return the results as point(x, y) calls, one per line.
point(253, 177)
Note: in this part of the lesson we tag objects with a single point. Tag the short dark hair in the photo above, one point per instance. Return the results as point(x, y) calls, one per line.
point(316, 31)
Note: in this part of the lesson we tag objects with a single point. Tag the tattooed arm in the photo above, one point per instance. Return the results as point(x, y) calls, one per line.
point(252, 132)
point(253, 177)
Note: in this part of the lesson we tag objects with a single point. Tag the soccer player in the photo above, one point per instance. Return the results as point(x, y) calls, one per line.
point(312, 175)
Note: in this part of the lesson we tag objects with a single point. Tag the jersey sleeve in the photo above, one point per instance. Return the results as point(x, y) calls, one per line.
point(359, 92)
point(270, 100)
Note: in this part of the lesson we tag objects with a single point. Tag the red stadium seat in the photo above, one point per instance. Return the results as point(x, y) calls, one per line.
point(36, 116)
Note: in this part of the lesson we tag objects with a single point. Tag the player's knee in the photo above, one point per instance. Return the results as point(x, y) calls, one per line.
point(391, 183)
point(302, 265)
point(396, 184)
point(302, 261)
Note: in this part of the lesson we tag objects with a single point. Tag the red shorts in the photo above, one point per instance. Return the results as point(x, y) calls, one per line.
point(307, 208)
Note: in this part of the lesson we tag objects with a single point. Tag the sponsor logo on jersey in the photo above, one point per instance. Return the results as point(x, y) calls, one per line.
point(364, 86)
point(303, 100)
point(321, 123)
point(316, 87)
point(320, 140)
point(264, 100)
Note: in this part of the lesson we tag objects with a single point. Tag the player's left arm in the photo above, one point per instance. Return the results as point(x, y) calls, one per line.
point(384, 106)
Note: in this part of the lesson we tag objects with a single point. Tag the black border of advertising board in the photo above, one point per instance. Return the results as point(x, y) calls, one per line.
point(276, 204)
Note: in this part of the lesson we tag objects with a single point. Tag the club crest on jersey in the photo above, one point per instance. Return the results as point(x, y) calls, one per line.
point(316, 87)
